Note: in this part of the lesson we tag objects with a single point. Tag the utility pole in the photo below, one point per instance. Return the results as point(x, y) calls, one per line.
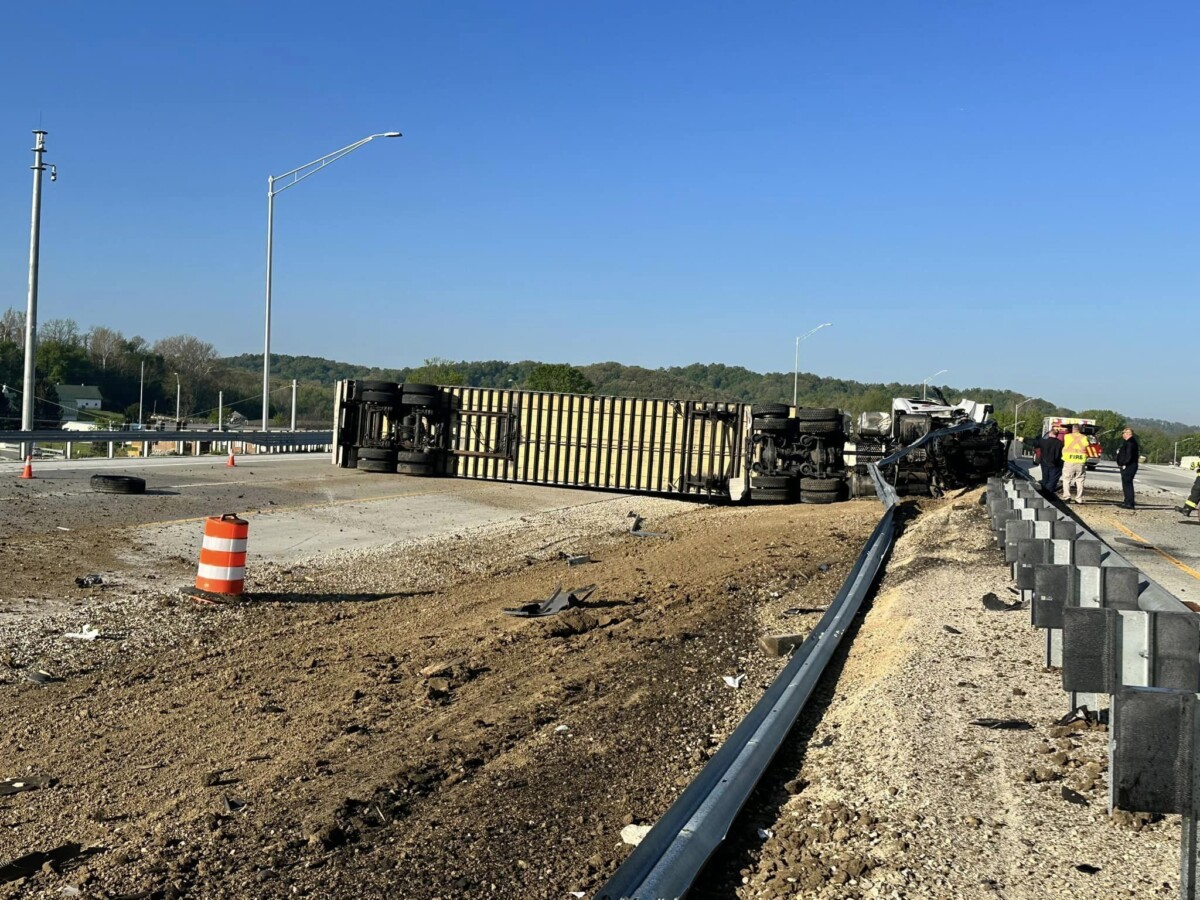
point(141, 393)
point(293, 404)
point(35, 233)
point(178, 392)
point(220, 410)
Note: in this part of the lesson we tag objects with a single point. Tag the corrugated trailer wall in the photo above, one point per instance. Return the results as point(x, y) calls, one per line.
point(620, 443)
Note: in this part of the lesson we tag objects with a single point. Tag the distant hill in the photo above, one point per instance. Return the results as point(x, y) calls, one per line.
point(1172, 429)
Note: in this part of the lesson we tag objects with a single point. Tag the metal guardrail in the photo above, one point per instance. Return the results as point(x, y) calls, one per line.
point(670, 857)
point(258, 438)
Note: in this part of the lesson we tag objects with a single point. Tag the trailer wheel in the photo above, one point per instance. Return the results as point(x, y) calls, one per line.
point(378, 397)
point(758, 495)
point(118, 484)
point(820, 496)
point(375, 465)
point(819, 414)
point(771, 410)
point(820, 485)
point(381, 387)
point(821, 427)
point(415, 387)
point(422, 401)
point(414, 468)
point(414, 457)
point(377, 453)
point(770, 482)
point(770, 426)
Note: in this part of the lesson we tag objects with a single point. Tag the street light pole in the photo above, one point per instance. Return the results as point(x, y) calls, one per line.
point(35, 238)
point(141, 392)
point(296, 176)
point(925, 383)
point(796, 362)
point(1016, 412)
point(178, 392)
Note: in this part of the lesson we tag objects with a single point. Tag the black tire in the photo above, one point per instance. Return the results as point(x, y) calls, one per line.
point(819, 414)
point(118, 484)
point(414, 457)
point(377, 453)
point(769, 496)
point(415, 387)
point(378, 397)
point(820, 485)
point(821, 497)
point(770, 482)
point(375, 465)
point(421, 401)
point(771, 410)
point(414, 469)
point(769, 426)
point(820, 427)
point(382, 387)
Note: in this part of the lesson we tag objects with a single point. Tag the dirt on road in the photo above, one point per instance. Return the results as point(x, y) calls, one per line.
point(373, 725)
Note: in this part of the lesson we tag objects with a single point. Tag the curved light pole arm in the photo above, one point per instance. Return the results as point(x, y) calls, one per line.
point(296, 176)
point(796, 362)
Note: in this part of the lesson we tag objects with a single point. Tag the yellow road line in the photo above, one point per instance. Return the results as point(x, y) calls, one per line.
point(1149, 546)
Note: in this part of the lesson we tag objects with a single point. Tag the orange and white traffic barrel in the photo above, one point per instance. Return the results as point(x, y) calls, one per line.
point(223, 555)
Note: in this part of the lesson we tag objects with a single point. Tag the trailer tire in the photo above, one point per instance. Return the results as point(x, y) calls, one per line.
point(769, 426)
point(375, 465)
point(378, 397)
point(819, 414)
point(414, 469)
point(118, 484)
point(770, 482)
point(422, 401)
point(821, 427)
point(414, 457)
point(771, 410)
point(381, 387)
point(820, 496)
point(759, 495)
point(820, 485)
point(416, 387)
point(377, 453)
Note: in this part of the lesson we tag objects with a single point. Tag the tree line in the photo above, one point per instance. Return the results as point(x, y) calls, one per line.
point(100, 356)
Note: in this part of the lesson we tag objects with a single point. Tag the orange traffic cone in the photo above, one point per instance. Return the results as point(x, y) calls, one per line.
point(229, 463)
point(28, 473)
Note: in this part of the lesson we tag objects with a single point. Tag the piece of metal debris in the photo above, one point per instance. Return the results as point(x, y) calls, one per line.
point(581, 560)
point(734, 681)
point(10, 786)
point(41, 676)
point(87, 633)
point(995, 604)
point(803, 610)
point(557, 602)
point(950, 629)
point(89, 581)
point(1002, 724)
point(637, 531)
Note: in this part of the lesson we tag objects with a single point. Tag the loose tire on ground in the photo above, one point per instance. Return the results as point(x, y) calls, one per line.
point(770, 410)
point(118, 484)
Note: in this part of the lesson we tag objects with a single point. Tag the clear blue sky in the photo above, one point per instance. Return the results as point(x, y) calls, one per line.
point(655, 184)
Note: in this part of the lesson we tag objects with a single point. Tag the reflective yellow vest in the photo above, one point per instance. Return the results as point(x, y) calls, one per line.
point(1075, 448)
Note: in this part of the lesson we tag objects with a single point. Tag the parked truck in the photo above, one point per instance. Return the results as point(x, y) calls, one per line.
point(715, 450)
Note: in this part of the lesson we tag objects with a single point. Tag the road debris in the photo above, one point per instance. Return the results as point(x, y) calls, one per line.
point(995, 604)
point(1002, 724)
point(734, 681)
point(10, 786)
point(581, 560)
point(634, 834)
point(557, 602)
point(87, 581)
point(41, 676)
point(636, 528)
point(87, 633)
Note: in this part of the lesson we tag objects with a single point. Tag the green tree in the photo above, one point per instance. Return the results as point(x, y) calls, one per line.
point(438, 371)
point(558, 377)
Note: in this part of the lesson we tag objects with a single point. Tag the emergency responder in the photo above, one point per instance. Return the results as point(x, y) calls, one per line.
point(1189, 505)
point(1128, 457)
point(1075, 454)
point(1050, 458)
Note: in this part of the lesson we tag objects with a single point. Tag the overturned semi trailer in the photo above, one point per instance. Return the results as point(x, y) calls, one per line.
point(711, 450)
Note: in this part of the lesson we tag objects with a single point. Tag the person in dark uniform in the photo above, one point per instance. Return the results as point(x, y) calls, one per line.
point(1050, 450)
point(1189, 505)
point(1128, 455)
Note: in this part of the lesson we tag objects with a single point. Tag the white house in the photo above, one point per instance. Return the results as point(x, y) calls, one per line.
point(75, 397)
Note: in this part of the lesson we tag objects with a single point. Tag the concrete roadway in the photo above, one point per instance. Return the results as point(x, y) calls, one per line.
point(298, 505)
point(1155, 538)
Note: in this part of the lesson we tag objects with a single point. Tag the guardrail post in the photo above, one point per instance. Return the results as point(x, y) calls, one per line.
point(112, 449)
point(67, 454)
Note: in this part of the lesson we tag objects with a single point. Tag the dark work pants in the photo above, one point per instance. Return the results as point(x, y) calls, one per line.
point(1194, 497)
point(1127, 476)
point(1051, 476)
